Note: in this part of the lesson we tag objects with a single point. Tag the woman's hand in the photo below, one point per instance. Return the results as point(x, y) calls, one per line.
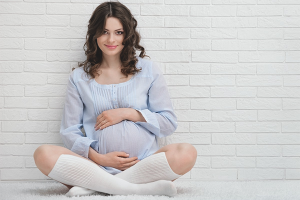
point(110, 117)
point(118, 160)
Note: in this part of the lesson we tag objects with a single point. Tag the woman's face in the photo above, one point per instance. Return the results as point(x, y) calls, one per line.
point(113, 36)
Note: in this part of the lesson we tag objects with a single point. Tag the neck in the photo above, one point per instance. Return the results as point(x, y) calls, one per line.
point(111, 62)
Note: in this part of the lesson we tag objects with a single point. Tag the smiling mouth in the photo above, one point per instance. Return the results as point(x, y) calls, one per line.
point(110, 46)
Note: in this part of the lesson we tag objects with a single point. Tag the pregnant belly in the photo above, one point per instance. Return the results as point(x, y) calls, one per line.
point(125, 136)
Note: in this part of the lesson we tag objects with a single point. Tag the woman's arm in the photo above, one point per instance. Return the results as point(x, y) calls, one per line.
point(133, 115)
point(159, 117)
point(72, 121)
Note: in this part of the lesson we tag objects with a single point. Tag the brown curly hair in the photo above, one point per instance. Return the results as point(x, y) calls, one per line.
point(96, 28)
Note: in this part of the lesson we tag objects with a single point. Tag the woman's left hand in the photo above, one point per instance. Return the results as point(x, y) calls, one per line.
point(109, 117)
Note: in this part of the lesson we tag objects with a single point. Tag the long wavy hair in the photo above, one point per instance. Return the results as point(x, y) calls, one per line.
point(96, 28)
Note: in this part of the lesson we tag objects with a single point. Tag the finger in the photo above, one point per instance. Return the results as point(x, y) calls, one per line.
point(104, 125)
point(131, 159)
point(130, 164)
point(122, 154)
point(100, 123)
point(100, 118)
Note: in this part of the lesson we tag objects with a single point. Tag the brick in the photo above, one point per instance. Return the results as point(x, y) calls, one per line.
point(260, 33)
point(202, 2)
point(233, 92)
point(240, 139)
point(260, 56)
point(213, 11)
point(166, 9)
point(233, 162)
point(237, 68)
point(31, 138)
point(278, 92)
point(215, 150)
point(258, 150)
point(239, 22)
point(277, 162)
point(212, 80)
point(213, 104)
point(214, 174)
point(259, 103)
point(11, 43)
point(187, 22)
point(290, 150)
point(22, 8)
point(215, 56)
point(40, 43)
point(13, 114)
point(258, 127)
point(193, 115)
point(23, 78)
point(290, 104)
point(58, 79)
point(11, 161)
point(236, 115)
point(214, 33)
point(10, 19)
point(191, 138)
point(69, 9)
point(177, 79)
point(261, 174)
point(181, 104)
point(288, 139)
point(259, 10)
point(22, 174)
point(187, 68)
point(47, 67)
point(210, 127)
point(234, 45)
point(259, 80)
point(187, 91)
point(12, 138)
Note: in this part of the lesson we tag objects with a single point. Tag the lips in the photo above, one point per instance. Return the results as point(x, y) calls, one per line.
point(110, 46)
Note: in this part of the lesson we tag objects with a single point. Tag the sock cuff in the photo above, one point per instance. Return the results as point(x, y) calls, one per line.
point(164, 156)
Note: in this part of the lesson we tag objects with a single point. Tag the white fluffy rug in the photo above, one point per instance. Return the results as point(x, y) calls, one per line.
point(186, 189)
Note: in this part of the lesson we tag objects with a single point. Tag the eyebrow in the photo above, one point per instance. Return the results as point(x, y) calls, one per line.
point(116, 30)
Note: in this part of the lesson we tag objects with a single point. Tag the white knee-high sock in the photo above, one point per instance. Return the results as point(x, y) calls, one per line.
point(76, 171)
point(150, 169)
point(153, 168)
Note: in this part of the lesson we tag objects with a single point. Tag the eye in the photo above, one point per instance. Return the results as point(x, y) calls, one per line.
point(119, 32)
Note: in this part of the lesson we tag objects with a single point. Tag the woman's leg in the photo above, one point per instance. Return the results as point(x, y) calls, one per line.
point(75, 170)
point(181, 157)
point(45, 157)
point(169, 162)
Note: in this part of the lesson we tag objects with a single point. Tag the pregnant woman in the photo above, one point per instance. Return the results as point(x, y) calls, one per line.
point(122, 102)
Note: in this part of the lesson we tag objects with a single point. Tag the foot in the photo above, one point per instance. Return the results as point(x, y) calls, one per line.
point(79, 191)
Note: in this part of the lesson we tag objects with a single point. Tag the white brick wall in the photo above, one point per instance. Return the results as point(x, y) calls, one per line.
point(232, 66)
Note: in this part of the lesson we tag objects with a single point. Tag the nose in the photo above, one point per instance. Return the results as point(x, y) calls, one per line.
point(111, 38)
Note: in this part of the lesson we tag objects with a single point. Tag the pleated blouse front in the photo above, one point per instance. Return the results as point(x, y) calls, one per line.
point(145, 92)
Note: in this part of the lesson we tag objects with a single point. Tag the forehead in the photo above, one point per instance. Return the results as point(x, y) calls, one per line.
point(113, 23)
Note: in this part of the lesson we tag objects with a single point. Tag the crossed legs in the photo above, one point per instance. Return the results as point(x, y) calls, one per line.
point(181, 157)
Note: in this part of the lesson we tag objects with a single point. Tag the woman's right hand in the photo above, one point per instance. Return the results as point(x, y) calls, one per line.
point(118, 160)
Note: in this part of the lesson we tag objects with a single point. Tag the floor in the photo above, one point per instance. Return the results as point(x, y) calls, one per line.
point(186, 189)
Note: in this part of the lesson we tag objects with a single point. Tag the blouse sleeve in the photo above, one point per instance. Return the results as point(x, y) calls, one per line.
point(160, 117)
point(72, 121)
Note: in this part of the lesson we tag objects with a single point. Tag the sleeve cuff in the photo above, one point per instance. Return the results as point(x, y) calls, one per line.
point(82, 146)
point(151, 121)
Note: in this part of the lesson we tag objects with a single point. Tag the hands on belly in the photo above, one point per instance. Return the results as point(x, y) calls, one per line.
point(118, 160)
point(110, 117)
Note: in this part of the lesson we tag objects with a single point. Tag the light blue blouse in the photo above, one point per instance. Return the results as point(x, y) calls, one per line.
point(145, 92)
